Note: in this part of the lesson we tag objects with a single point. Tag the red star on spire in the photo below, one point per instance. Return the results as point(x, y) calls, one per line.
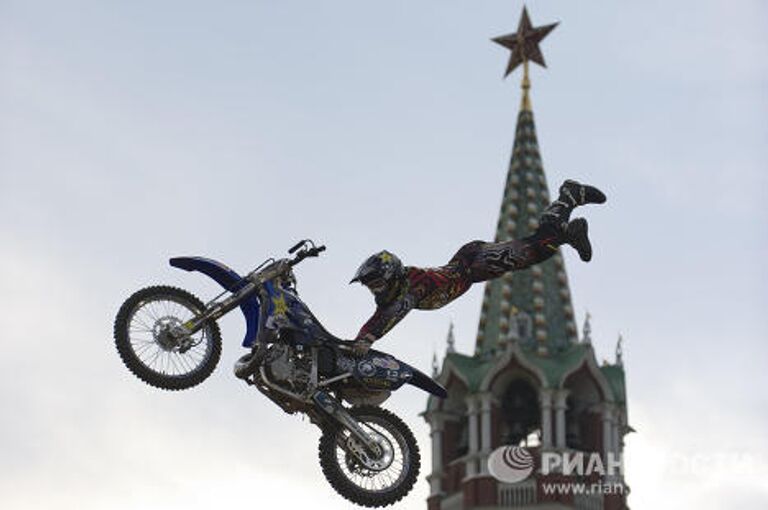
point(524, 43)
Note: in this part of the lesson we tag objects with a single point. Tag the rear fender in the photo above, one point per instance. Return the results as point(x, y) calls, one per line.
point(232, 282)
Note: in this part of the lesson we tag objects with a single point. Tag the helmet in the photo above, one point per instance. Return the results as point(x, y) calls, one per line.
point(381, 273)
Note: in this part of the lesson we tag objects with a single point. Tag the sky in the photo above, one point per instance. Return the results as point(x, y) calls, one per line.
point(131, 132)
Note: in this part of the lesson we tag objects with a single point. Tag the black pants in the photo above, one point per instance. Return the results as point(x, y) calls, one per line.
point(481, 261)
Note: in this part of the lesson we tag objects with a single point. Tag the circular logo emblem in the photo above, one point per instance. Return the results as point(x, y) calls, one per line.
point(366, 368)
point(510, 464)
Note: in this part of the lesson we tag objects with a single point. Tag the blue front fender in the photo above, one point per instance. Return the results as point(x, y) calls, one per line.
point(232, 282)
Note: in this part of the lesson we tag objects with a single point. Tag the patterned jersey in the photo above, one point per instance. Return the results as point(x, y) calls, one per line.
point(423, 289)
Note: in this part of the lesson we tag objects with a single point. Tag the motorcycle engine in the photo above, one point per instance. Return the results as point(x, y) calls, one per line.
point(290, 368)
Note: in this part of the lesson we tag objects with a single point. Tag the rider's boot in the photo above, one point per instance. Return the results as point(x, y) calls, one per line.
point(572, 194)
point(581, 194)
point(576, 235)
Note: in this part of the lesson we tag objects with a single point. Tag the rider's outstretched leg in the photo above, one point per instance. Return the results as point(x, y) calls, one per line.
point(484, 261)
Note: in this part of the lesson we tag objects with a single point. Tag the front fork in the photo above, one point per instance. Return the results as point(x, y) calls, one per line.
point(182, 332)
point(336, 411)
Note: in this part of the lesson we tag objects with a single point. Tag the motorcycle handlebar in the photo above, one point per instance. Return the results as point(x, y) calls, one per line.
point(311, 252)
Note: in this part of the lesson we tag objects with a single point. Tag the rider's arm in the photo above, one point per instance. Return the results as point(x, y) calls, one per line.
point(385, 319)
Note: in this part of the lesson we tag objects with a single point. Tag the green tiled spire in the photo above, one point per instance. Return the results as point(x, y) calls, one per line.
point(533, 305)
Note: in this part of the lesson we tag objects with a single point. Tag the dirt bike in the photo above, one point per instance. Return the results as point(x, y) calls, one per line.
point(169, 339)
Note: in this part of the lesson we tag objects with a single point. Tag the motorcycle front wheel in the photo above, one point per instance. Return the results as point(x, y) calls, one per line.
point(148, 350)
point(371, 481)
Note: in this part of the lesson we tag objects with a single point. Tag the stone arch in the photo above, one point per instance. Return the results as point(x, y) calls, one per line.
point(515, 385)
point(584, 407)
point(512, 361)
point(596, 375)
point(519, 412)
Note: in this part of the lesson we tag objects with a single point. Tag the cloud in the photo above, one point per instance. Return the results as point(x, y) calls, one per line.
point(130, 134)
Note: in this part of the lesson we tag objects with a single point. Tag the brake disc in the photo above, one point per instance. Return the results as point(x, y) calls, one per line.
point(161, 332)
point(373, 461)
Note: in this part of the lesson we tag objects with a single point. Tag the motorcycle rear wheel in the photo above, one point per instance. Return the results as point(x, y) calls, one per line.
point(141, 339)
point(363, 486)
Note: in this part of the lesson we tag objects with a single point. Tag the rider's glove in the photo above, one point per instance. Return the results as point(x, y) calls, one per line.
point(360, 347)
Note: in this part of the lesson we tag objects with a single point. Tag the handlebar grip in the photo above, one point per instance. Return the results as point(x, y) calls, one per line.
point(320, 249)
point(297, 246)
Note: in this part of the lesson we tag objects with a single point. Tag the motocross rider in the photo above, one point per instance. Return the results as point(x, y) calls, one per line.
point(398, 289)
